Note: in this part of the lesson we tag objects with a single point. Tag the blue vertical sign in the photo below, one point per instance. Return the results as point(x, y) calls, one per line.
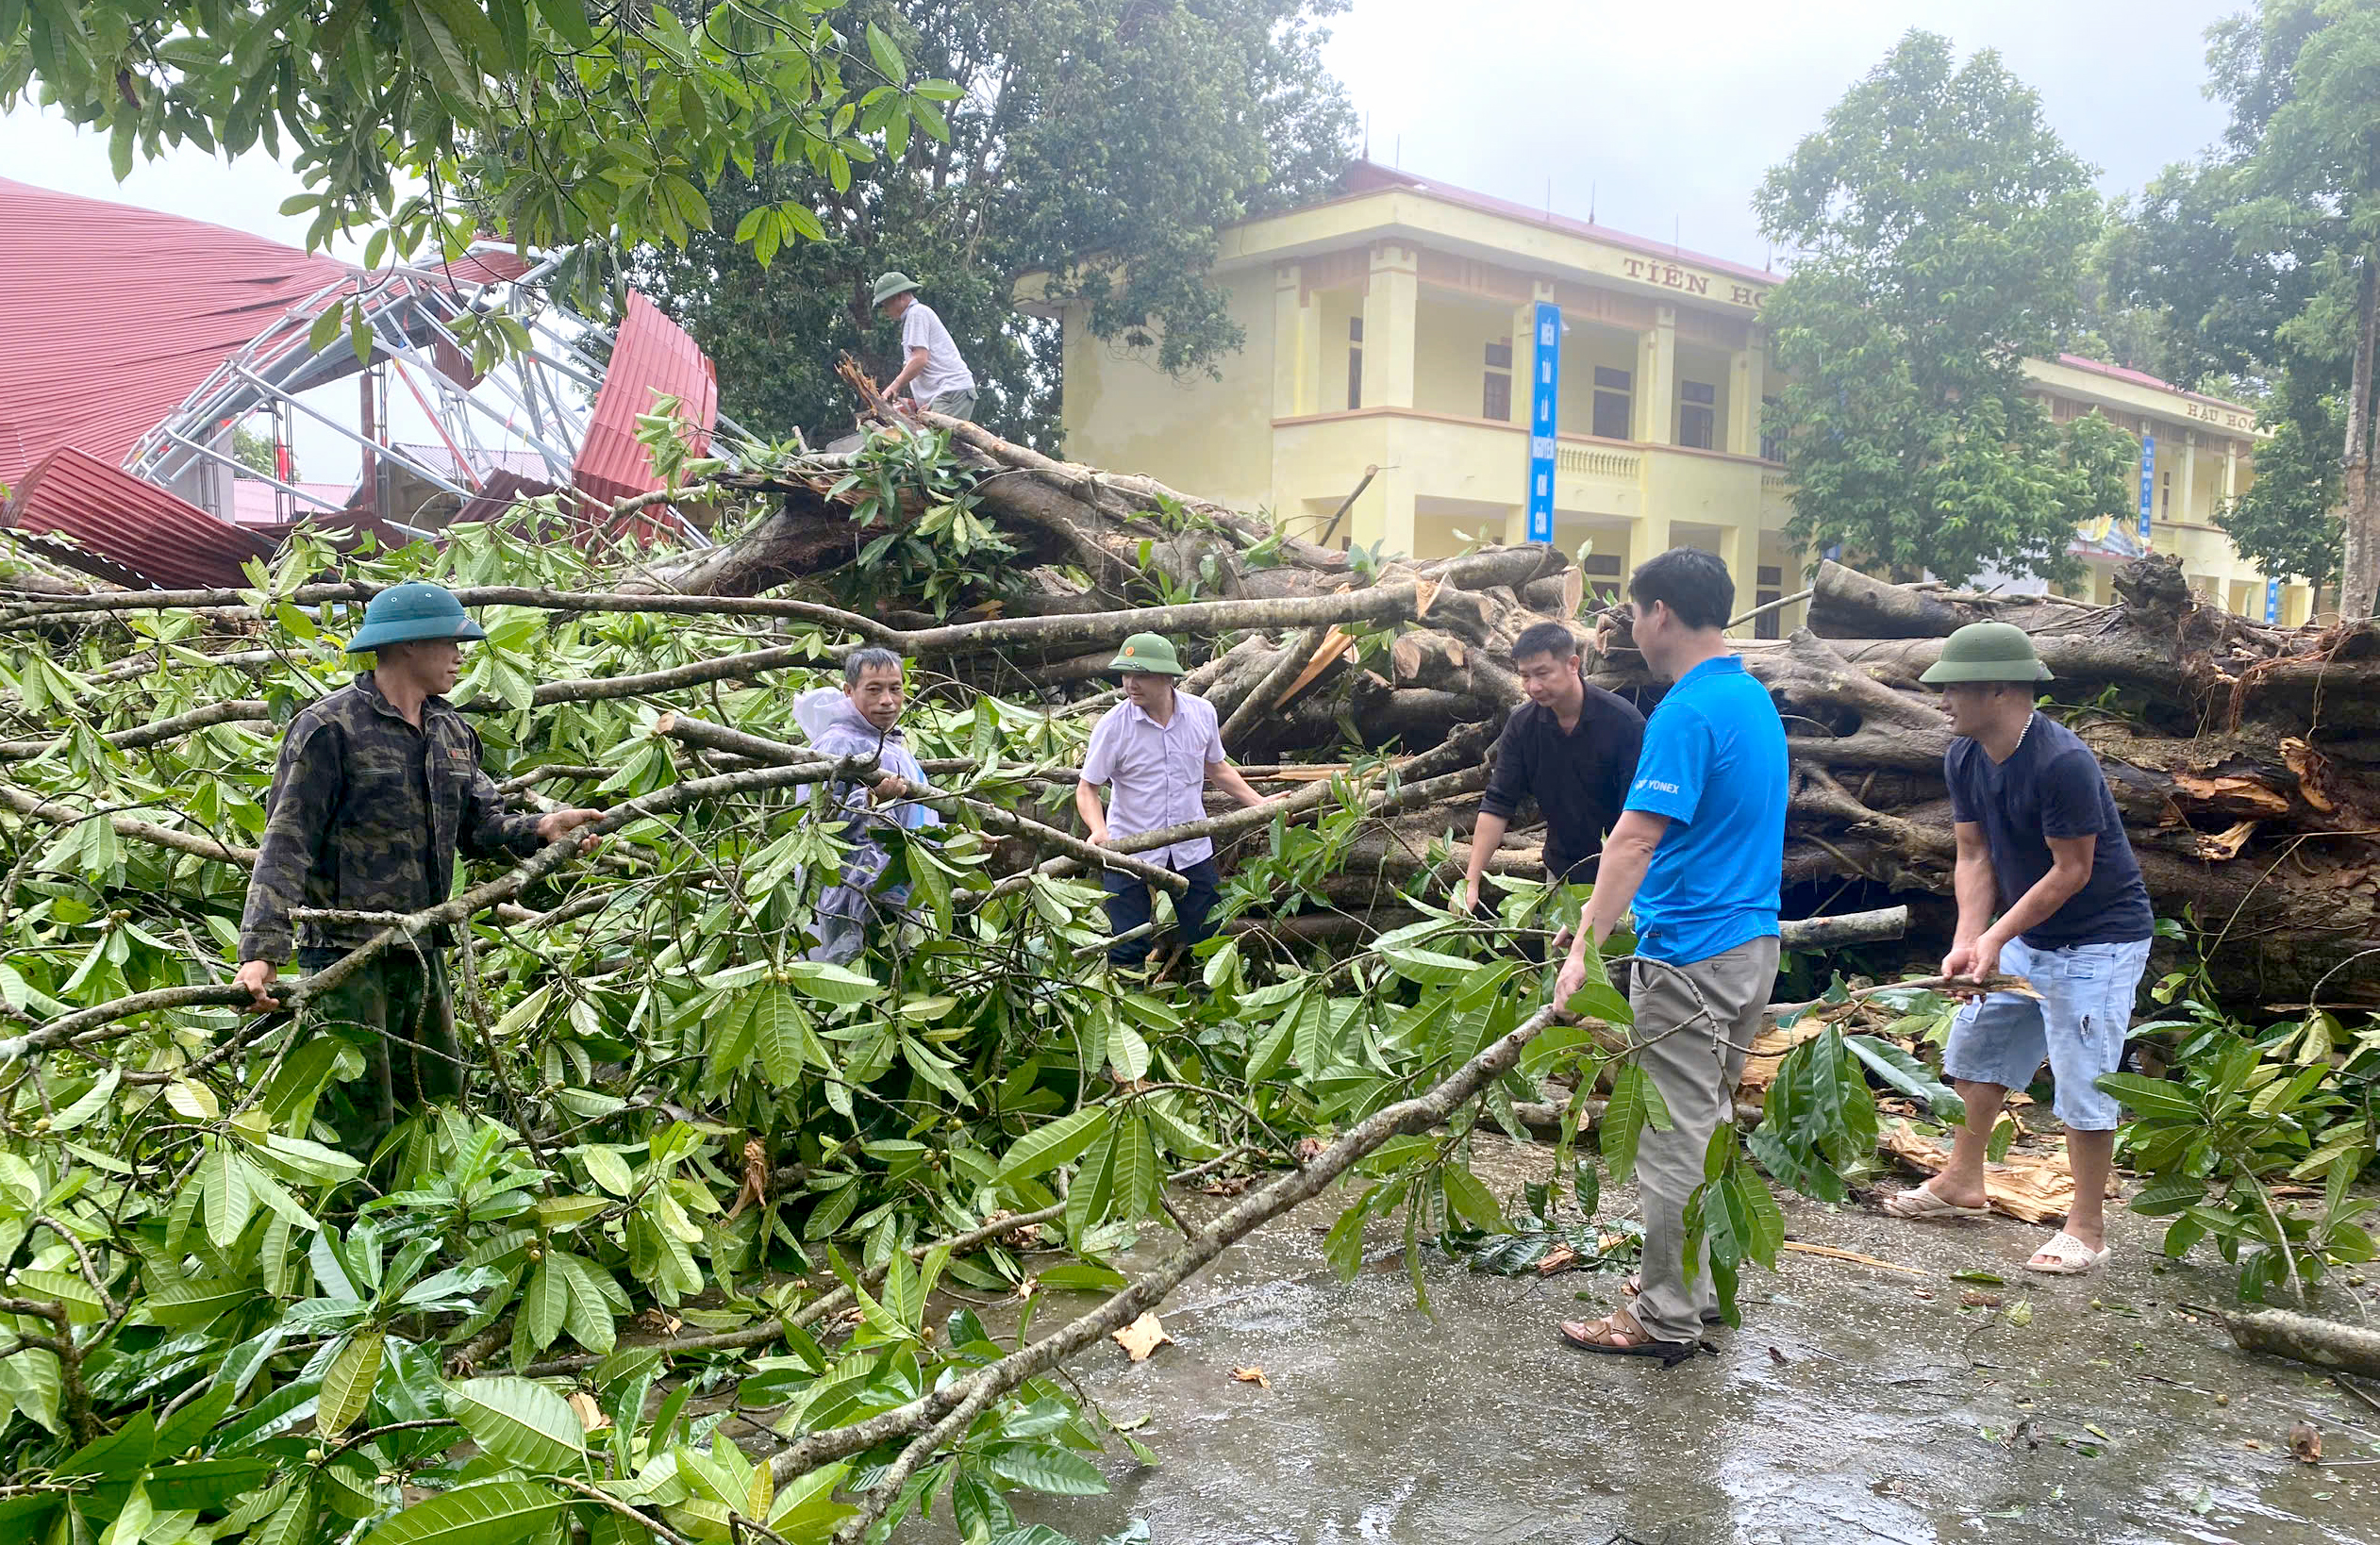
point(1545, 391)
point(2271, 600)
point(2148, 482)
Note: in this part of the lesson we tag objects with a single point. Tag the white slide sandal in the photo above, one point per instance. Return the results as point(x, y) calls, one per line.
point(2068, 1257)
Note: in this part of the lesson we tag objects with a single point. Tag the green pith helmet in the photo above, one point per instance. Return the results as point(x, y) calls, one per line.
point(1149, 653)
point(1986, 652)
point(891, 283)
point(412, 611)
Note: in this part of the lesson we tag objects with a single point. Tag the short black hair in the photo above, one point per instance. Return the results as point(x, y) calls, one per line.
point(860, 661)
point(1692, 582)
point(1545, 638)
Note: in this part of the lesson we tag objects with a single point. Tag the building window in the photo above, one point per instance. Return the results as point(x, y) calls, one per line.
point(1698, 418)
point(1771, 439)
point(2164, 495)
point(1355, 363)
point(1770, 587)
point(1601, 574)
point(1613, 396)
point(1495, 384)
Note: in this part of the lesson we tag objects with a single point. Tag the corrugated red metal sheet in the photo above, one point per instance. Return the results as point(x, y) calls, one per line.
point(110, 316)
point(504, 487)
point(651, 355)
point(131, 533)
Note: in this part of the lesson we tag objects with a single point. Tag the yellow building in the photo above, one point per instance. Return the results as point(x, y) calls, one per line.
point(1381, 332)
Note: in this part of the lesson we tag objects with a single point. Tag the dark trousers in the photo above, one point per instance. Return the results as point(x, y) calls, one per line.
point(395, 1010)
point(1129, 904)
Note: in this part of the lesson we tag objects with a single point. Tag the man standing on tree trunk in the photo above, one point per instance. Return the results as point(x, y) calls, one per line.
point(1155, 751)
point(377, 786)
point(1572, 747)
point(1700, 852)
point(931, 371)
point(2038, 834)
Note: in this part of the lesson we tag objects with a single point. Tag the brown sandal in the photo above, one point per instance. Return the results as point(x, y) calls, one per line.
point(1618, 1334)
point(1630, 1287)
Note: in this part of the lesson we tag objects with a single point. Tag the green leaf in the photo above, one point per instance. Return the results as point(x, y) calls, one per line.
point(490, 1513)
point(887, 60)
point(347, 1383)
point(2152, 1097)
point(1047, 1146)
point(1342, 1248)
point(521, 1422)
point(1043, 1466)
point(1472, 1201)
point(776, 1035)
point(833, 983)
point(569, 19)
point(1623, 1121)
point(1907, 1074)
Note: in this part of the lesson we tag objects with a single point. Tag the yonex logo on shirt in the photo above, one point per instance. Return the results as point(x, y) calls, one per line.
point(1658, 786)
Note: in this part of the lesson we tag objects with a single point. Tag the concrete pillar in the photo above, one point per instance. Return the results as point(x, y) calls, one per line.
point(2190, 474)
point(1650, 536)
point(1744, 384)
point(1657, 380)
point(1297, 345)
point(1388, 327)
point(2230, 468)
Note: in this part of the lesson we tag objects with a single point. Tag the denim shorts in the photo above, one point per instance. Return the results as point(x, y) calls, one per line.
point(2078, 1026)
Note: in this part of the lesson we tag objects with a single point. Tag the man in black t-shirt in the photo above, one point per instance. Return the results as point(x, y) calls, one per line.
point(2038, 834)
point(1572, 747)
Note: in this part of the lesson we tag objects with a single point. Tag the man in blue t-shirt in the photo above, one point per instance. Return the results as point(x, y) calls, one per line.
point(2038, 835)
point(1699, 850)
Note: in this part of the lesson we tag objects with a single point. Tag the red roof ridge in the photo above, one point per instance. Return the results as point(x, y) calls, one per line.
point(1366, 177)
point(2142, 377)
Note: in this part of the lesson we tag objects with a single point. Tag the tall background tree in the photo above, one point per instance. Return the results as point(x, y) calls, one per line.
point(1938, 228)
point(1104, 141)
point(2265, 255)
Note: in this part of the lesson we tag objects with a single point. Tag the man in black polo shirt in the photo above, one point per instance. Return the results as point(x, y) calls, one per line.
point(2040, 836)
point(1572, 747)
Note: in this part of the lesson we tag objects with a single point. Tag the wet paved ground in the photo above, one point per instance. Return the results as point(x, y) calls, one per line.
point(1893, 1416)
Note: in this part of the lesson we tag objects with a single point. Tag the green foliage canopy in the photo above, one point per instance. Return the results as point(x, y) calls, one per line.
point(1099, 142)
point(570, 119)
point(1936, 223)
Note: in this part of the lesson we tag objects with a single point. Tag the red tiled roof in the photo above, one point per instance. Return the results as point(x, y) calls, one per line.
point(2142, 377)
point(128, 532)
point(650, 356)
point(110, 316)
point(1372, 177)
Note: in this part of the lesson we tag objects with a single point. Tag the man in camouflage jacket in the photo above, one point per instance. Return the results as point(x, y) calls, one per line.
point(376, 787)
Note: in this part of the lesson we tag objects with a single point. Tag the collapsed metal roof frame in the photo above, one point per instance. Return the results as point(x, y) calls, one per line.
point(411, 314)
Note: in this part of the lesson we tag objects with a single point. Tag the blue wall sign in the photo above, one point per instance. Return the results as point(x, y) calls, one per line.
point(2148, 482)
point(2271, 600)
point(1545, 392)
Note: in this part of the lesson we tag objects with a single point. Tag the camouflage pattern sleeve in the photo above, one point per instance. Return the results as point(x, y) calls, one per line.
point(489, 828)
point(306, 781)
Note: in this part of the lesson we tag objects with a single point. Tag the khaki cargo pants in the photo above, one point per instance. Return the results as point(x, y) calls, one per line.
point(1693, 1023)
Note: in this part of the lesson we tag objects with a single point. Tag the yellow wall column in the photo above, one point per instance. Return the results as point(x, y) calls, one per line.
point(2230, 468)
point(1297, 346)
point(2190, 474)
point(1744, 385)
point(1388, 326)
point(1657, 381)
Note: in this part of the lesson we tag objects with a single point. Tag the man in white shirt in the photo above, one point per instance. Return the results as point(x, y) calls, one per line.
point(1155, 751)
point(931, 372)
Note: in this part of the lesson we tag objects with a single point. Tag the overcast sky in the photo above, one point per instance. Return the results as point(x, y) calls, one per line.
point(1661, 115)
point(1664, 115)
